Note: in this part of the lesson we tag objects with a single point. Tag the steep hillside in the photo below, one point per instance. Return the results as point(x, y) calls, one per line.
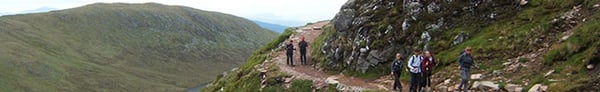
point(516, 41)
point(273, 27)
point(520, 45)
point(122, 47)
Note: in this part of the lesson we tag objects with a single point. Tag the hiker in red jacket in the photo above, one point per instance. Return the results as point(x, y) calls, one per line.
point(427, 69)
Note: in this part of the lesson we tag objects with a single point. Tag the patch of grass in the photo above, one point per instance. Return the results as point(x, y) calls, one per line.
point(571, 84)
point(502, 84)
point(372, 73)
point(523, 60)
point(301, 86)
point(534, 79)
point(330, 88)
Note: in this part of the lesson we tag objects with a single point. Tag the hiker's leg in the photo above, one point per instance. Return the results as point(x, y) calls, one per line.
point(465, 79)
point(412, 81)
point(398, 77)
point(462, 77)
point(468, 74)
point(419, 80)
point(303, 58)
point(429, 82)
point(288, 59)
point(397, 83)
point(424, 81)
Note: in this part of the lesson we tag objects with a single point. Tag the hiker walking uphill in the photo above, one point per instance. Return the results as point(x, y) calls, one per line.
point(465, 62)
point(397, 68)
point(302, 44)
point(290, 53)
point(414, 64)
point(426, 70)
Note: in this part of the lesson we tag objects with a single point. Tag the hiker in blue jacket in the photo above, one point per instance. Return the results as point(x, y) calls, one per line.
point(465, 61)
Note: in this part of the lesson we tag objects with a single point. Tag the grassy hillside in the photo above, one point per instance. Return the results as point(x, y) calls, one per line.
point(122, 47)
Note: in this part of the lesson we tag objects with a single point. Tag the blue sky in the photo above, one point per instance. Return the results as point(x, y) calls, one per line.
point(284, 12)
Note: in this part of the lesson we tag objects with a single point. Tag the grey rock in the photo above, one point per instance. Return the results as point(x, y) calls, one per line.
point(476, 76)
point(459, 39)
point(549, 73)
point(425, 38)
point(343, 19)
point(405, 25)
point(485, 85)
point(340, 87)
point(513, 88)
point(332, 80)
point(523, 2)
point(433, 7)
point(497, 72)
point(536, 88)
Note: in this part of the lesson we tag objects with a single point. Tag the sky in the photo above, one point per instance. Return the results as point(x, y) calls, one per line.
point(283, 12)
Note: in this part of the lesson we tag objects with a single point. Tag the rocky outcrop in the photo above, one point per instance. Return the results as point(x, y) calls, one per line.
point(368, 32)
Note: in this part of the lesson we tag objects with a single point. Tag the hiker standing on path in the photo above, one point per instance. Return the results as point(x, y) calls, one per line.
point(414, 64)
point(465, 62)
point(290, 53)
point(397, 68)
point(302, 44)
point(426, 69)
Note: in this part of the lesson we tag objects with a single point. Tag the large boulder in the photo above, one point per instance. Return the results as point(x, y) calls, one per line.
point(345, 17)
point(513, 88)
point(485, 85)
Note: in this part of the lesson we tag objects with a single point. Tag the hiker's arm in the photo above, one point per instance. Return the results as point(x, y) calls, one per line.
point(410, 64)
point(460, 63)
point(393, 67)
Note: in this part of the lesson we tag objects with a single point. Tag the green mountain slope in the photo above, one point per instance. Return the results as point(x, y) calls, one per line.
point(122, 47)
point(518, 44)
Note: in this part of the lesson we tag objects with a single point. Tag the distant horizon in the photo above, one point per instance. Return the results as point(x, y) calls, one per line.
point(287, 13)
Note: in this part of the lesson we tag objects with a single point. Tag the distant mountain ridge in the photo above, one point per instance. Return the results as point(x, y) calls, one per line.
point(273, 27)
point(122, 47)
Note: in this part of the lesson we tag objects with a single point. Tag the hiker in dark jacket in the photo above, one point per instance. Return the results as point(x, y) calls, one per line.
point(465, 62)
point(290, 53)
point(397, 68)
point(426, 69)
point(302, 44)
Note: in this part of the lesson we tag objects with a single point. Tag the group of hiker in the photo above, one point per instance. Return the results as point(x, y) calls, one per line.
point(289, 47)
point(421, 67)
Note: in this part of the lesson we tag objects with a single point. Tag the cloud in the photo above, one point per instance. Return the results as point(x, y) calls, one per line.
point(285, 12)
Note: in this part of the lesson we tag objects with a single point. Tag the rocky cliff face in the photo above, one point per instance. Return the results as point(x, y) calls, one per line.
point(367, 32)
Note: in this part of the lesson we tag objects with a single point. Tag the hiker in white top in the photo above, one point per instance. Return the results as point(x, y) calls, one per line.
point(414, 64)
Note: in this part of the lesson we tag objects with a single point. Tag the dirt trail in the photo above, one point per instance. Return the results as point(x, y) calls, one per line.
point(319, 78)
